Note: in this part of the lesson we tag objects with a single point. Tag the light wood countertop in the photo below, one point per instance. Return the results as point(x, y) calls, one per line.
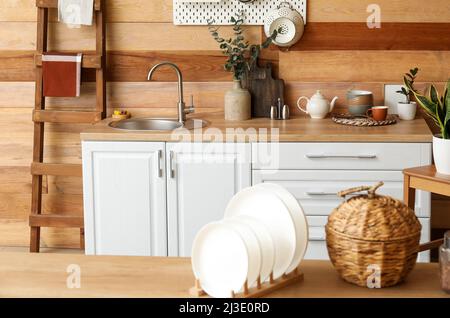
point(298, 129)
point(44, 275)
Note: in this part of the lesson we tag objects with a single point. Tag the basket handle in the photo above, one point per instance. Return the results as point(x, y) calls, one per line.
point(370, 189)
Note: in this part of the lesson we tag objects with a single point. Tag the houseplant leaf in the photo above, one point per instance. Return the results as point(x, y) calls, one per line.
point(434, 95)
point(446, 104)
point(426, 104)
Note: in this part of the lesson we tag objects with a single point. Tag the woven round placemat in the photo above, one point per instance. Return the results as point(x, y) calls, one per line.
point(362, 121)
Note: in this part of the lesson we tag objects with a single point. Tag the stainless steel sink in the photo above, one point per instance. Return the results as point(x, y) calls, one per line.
point(143, 124)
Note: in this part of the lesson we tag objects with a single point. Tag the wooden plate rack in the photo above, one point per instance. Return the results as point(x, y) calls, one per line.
point(260, 290)
point(41, 116)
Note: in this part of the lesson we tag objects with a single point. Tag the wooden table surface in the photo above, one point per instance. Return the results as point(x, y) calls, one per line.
point(298, 129)
point(44, 275)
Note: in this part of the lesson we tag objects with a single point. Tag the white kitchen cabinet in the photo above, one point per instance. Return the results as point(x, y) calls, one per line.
point(201, 179)
point(124, 198)
point(315, 172)
point(151, 198)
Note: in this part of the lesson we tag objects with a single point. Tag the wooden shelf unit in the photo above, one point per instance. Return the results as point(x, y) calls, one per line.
point(95, 60)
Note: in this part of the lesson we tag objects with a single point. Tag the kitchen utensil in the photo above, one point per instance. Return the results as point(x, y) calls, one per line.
point(407, 111)
point(286, 112)
point(265, 90)
point(318, 106)
point(220, 259)
point(273, 112)
point(280, 108)
point(265, 243)
point(268, 208)
point(372, 232)
point(362, 121)
point(378, 113)
point(288, 22)
point(299, 218)
point(253, 248)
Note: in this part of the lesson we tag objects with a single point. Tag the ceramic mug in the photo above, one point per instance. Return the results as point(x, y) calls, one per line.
point(359, 98)
point(378, 113)
point(407, 111)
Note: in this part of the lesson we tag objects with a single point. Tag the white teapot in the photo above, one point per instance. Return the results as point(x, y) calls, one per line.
point(318, 106)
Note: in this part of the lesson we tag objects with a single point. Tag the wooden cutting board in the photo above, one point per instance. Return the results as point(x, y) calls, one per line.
point(265, 90)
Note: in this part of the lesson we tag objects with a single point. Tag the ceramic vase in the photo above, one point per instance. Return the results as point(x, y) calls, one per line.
point(407, 111)
point(441, 154)
point(238, 103)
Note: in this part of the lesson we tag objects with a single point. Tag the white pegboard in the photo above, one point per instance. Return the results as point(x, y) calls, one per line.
point(199, 13)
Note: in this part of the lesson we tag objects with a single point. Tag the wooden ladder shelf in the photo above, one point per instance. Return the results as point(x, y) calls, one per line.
point(97, 61)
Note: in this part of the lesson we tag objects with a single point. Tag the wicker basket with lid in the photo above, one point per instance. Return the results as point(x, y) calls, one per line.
point(372, 230)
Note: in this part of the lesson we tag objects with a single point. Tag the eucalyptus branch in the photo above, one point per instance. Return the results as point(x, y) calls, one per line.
point(241, 55)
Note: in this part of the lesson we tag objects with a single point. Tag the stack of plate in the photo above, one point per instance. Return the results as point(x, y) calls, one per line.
point(264, 232)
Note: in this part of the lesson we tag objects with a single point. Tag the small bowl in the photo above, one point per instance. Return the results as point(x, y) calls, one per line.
point(359, 110)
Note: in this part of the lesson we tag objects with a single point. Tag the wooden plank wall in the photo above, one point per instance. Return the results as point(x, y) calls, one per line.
point(338, 52)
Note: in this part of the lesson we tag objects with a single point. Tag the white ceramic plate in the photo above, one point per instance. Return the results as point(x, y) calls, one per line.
point(220, 260)
point(265, 242)
point(253, 248)
point(300, 222)
point(268, 208)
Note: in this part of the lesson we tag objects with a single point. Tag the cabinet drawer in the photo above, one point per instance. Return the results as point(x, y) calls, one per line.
point(317, 246)
point(348, 156)
point(317, 190)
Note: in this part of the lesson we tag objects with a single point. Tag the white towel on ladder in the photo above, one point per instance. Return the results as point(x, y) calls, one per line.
point(76, 12)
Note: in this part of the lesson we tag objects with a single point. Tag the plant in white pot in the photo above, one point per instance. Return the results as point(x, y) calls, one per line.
point(241, 57)
point(407, 110)
point(438, 108)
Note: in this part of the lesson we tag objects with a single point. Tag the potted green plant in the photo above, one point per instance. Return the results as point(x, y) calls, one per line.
point(241, 57)
point(437, 107)
point(407, 109)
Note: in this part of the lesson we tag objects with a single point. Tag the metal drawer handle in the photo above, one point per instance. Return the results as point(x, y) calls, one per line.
point(314, 193)
point(172, 170)
point(160, 172)
point(320, 193)
point(317, 234)
point(324, 156)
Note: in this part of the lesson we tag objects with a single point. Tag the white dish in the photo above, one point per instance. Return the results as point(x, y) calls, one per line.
point(265, 242)
point(253, 248)
point(220, 260)
point(300, 222)
point(268, 208)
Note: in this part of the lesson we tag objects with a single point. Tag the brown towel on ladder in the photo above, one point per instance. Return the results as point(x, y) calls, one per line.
point(61, 74)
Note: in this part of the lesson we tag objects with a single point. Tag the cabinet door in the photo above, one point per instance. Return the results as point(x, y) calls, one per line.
point(201, 179)
point(124, 198)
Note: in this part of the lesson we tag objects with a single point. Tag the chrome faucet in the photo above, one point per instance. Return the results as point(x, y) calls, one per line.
point(182, 110)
